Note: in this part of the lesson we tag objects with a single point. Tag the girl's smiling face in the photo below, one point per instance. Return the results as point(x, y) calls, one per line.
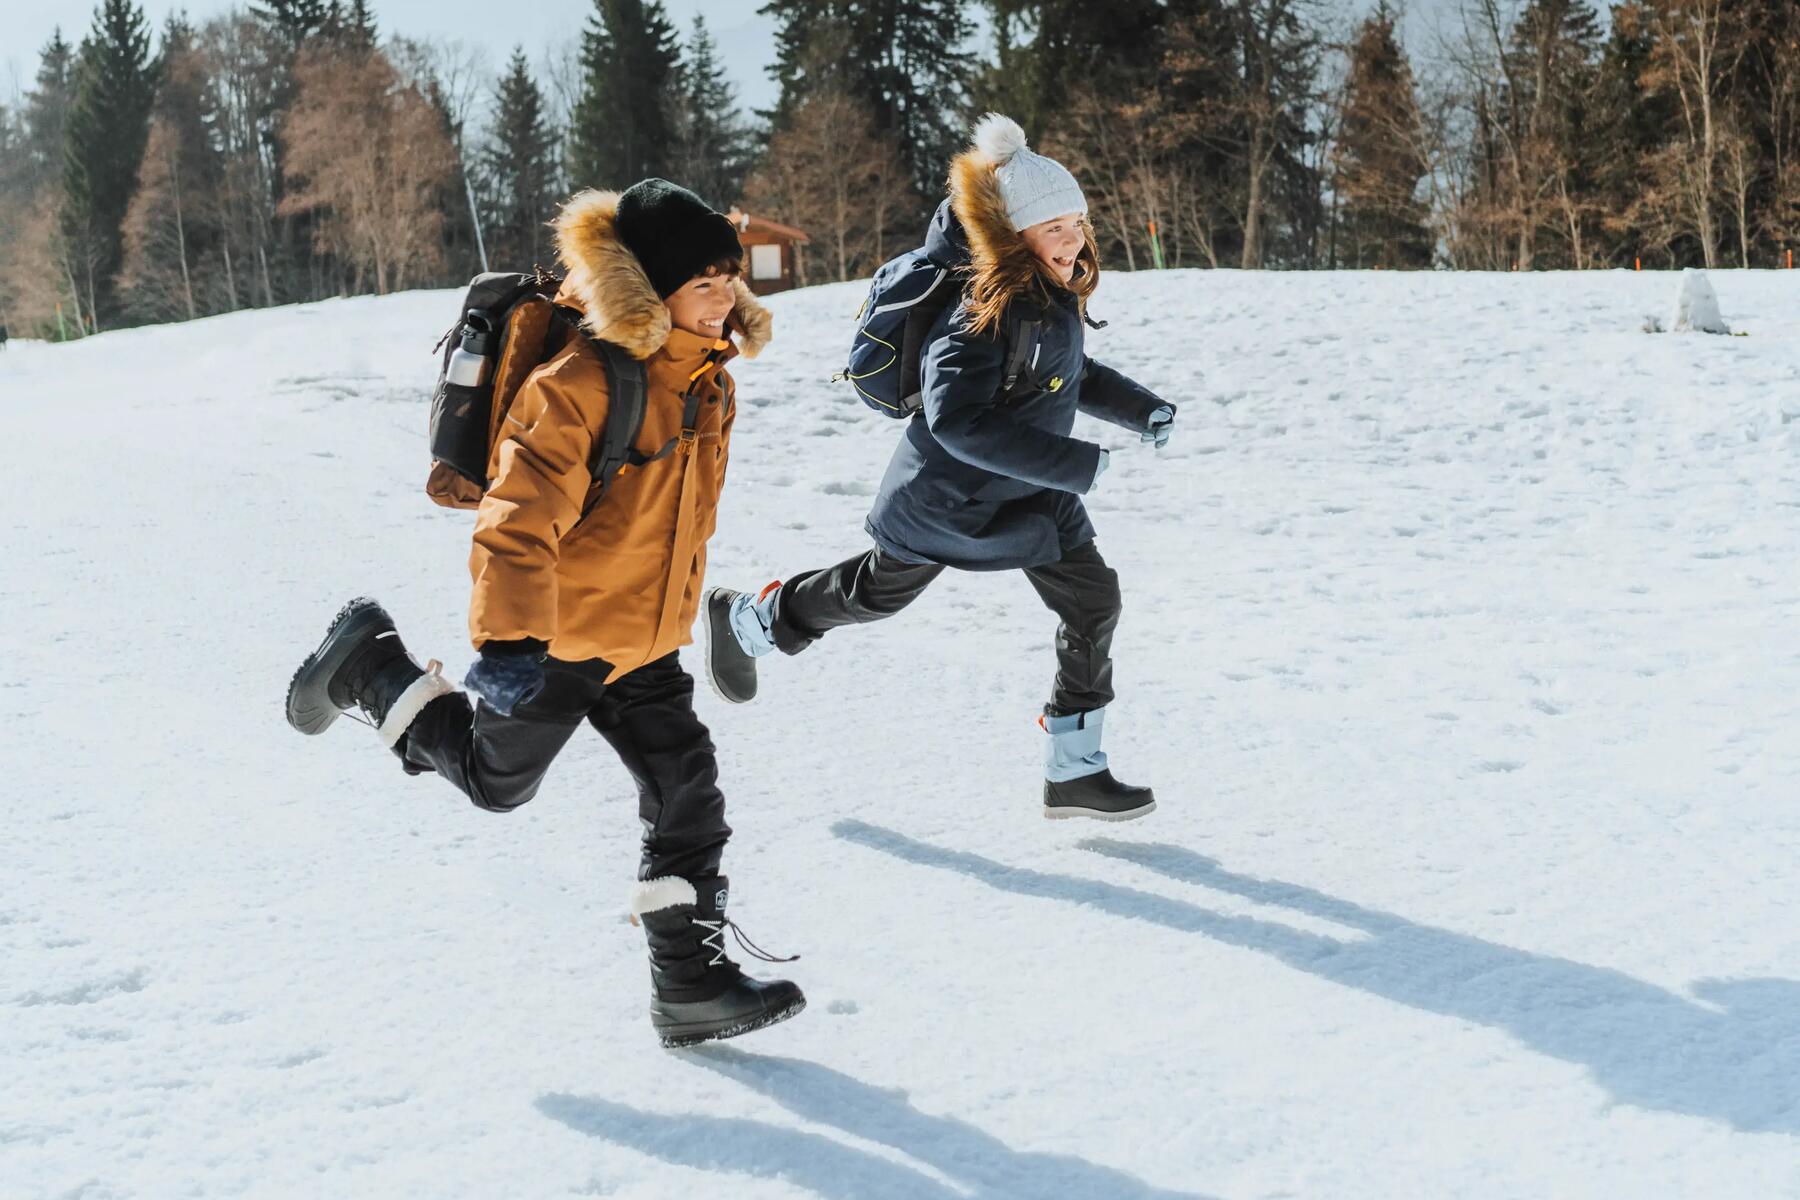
point(1056, 243)
point(701, 305)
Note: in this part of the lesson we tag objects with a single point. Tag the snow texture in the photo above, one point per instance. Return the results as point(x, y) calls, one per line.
point(1697, 309)
point(1459, 643)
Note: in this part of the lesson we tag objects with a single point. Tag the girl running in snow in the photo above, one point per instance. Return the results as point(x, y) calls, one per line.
point(987, 478)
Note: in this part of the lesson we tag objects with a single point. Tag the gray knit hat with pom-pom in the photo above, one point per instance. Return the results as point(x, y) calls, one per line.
point(1034, 187)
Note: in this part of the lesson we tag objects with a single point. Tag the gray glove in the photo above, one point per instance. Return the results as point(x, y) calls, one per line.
point(1162, 422)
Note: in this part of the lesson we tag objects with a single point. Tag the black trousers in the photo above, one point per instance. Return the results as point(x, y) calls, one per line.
point(648, 719)
point(1081, 590)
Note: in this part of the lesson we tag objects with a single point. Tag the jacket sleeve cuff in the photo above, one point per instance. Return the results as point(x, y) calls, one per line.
point(527, 647)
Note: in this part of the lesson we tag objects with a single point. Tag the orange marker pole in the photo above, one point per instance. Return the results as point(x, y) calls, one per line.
point(1640, 264)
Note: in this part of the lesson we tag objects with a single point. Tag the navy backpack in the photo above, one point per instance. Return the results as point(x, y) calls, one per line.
point(906, 298)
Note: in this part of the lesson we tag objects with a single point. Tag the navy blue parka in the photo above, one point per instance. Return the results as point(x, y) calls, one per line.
point(986, 482)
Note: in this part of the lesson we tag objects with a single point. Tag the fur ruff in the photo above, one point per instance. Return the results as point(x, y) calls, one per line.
point(412, 702)
point(654, 895)
point(621, 305)
point(995, 247)
point(1002, 267)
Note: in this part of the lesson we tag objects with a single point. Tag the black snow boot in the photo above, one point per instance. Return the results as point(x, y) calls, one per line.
point(362, 664)
point(1077, 782)
point(697, 994)
point(1099, 796)
point(736, 628)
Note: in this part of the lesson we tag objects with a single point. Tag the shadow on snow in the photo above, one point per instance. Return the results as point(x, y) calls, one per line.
point(980, 1164)
point(1731, 1055)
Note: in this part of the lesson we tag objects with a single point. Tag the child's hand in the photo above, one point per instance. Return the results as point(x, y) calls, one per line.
point(508, 674)
point(1162, 423)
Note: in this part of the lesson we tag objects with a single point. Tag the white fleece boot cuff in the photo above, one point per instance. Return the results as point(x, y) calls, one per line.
point(654, 895)
point(412, 702)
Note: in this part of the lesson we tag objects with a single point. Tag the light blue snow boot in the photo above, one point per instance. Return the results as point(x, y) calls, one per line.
point(1077, 782)
point(737, 627)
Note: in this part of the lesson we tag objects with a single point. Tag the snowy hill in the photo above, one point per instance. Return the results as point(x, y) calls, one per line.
point(1459, 641)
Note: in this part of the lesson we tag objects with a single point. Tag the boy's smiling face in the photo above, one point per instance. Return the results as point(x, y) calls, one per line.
point(701, 305)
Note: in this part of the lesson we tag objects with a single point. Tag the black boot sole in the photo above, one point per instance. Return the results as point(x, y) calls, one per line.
point(676, 1036)
point(309, 706)
point(711, 639)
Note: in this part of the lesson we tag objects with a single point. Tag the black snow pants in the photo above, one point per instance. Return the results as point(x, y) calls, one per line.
point(647, 717)
point(1080, 589)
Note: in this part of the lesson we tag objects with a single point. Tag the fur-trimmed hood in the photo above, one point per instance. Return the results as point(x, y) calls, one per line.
point(994, 245)
point(1001, 267)
point(610, 285)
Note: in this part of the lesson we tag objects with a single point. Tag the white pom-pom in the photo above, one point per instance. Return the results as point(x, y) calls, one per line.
point(998, 138)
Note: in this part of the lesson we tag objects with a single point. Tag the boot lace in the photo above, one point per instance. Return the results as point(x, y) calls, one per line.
point(716, 942)
point(434, 667)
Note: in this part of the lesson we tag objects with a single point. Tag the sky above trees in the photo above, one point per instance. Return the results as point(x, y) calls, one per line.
point(747, 37)
point(538, 24)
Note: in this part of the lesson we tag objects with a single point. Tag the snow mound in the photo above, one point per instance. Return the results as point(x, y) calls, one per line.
point(1697, 308)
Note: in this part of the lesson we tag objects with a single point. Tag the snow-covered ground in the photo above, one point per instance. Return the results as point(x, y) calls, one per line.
point(1460, 643)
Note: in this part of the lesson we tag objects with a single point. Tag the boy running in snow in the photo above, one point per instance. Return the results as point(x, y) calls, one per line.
point(579, 621)
point(986, 479)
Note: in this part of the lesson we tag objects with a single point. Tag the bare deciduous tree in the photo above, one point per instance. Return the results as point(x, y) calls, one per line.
point(375, 193)
point(829, 173)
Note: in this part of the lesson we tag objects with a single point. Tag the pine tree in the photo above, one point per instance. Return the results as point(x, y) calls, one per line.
point(295, 20)
point(359, 26)
point(518, 170)
point(1378, 159)
point(905, 60)
point(1628, 123)
point(35, 274)
point(109, 122)
point(711, 144)
point(172, 228)
point(1047, 51)
point(47, 109)
point(630, 61)
point(351, 27)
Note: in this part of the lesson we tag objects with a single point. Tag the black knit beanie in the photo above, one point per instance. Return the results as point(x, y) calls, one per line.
point(673, 233)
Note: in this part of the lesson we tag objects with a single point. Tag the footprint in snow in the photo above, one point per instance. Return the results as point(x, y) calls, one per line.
point(91, 992)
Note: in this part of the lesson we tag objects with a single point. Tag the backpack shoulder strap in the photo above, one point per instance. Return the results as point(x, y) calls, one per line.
point(615, 445)
point(1022, 337)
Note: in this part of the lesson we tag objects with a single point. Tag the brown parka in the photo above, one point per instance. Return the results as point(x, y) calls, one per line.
point(624, 584)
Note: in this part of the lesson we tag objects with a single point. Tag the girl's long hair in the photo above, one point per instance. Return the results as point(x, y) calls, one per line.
point(990, 289)
point(1002, 267)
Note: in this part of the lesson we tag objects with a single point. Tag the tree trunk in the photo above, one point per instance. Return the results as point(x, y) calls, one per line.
point(1253, 205)
point(187, 283)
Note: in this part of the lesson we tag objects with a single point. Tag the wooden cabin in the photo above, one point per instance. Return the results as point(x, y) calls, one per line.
point(772, 250)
